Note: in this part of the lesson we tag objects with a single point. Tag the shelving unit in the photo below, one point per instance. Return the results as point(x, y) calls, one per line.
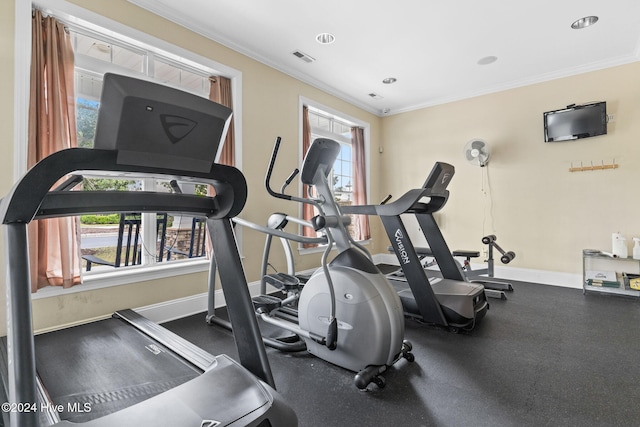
point(595, 261)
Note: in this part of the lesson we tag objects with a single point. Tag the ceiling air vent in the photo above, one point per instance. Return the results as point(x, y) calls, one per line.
point(375, 96)
point(303, 56)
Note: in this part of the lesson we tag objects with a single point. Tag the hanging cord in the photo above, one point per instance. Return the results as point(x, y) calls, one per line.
point(167, 246)
point(89, 185)
point(488, 200)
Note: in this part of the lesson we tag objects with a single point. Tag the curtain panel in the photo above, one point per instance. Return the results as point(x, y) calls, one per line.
point(54, 244)
point(220, 92)
point(308, 210)
point(360, 222)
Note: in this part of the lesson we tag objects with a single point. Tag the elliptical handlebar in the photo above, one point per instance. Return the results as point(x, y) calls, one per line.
point(267, 179)
point(281, 194)
point(295, 173)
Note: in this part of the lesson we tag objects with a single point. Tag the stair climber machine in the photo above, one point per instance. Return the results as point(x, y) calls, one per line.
point(128, 369)
point(347, 312)
point(451, 301)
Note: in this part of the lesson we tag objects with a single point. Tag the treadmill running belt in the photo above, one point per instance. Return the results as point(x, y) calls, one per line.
point(102, 367)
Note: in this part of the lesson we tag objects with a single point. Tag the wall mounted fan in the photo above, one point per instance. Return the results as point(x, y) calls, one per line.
point(477, 152)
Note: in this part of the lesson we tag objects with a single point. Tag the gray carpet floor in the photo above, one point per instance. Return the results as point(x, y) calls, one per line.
point(547, 356)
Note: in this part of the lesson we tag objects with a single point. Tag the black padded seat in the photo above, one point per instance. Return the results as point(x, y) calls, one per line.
point(466, 254)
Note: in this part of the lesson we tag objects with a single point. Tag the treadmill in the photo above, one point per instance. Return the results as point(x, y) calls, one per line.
point(148, 130)
point(452, 301)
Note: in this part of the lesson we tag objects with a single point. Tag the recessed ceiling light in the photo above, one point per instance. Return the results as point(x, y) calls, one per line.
point(584, 22)
point(487, 60)
point(389, 80)
point(325, 38)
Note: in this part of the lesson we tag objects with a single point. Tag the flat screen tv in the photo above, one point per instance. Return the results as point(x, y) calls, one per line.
point(575, 122)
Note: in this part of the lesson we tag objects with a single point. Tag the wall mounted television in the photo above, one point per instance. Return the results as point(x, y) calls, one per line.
point(575, 122)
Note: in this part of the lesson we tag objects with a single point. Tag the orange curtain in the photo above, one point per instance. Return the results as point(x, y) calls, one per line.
point(360, 222)
point(54, 244)
point(308, 210)
point(220, 92)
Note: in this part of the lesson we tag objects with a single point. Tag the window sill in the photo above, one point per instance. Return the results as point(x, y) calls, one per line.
point(124, 276)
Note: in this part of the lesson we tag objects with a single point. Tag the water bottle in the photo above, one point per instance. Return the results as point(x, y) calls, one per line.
point(619, 245)
point(636, 248)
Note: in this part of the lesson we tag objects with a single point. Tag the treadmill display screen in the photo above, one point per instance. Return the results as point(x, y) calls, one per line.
point(157, 126)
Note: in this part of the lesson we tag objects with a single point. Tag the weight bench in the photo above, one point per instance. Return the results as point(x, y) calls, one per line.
point(505, 257)
point(494, 288)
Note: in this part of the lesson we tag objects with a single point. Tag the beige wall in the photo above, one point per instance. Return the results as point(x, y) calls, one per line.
point(534, 205)
point(270, 108)
point(6, 125)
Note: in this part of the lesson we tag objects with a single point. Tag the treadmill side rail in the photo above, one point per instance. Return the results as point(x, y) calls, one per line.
point(32, 198)
point(243, 401)
point(185, 349)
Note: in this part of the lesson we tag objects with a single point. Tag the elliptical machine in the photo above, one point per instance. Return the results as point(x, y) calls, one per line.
point(348, 313)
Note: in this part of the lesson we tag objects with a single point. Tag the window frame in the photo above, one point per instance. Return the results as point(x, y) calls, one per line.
point(96, 68)
point(77, 16)
point(339, 138)
point(345, 118)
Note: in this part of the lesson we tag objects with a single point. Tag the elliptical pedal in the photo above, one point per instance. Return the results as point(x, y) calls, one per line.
point(284, 282)
point(266, 303)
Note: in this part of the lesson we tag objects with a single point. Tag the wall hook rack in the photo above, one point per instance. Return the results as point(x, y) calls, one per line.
point(592, 167)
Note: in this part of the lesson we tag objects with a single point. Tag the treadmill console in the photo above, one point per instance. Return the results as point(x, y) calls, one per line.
point(157, 126)
point(440, 177)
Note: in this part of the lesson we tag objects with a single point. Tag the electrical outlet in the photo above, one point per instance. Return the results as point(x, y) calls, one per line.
point(609, 118)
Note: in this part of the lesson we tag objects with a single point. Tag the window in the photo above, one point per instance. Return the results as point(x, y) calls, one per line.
point(349, 182)
point(124, 38)
point(324, 125)
point(161, 238)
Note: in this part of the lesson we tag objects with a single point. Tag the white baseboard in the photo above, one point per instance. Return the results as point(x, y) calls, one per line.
point(187, 306)
point(182, 307)
point(177, 308)
point(555, 278)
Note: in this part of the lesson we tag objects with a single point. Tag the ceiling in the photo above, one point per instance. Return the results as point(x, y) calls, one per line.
point(432, 47)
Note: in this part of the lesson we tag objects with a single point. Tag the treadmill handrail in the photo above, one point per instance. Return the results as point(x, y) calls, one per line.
point(409, 202)
point(434, 188)
point(229, 183)
point(57, 204)
point(38, 194)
